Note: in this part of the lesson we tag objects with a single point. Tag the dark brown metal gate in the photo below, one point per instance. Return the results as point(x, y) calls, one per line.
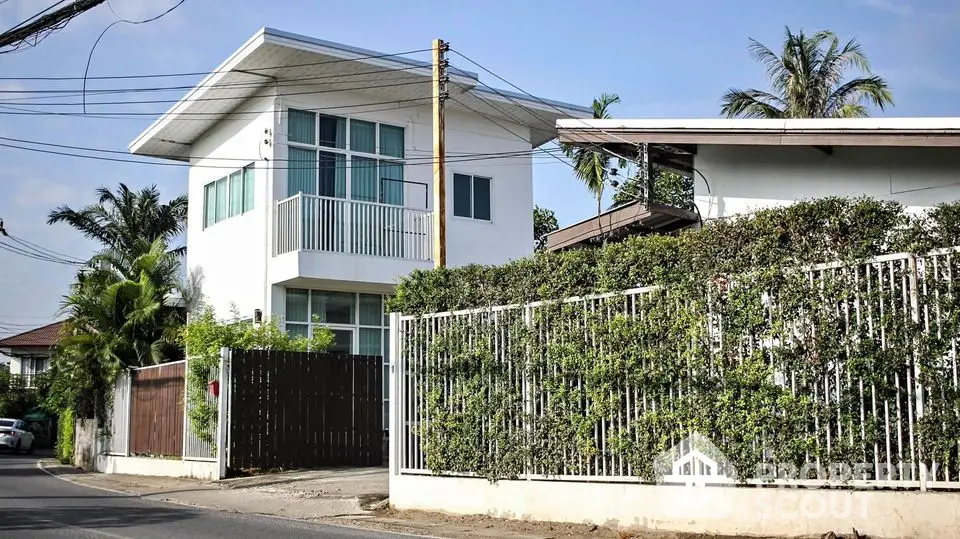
point(304, 410)
point(156, 410)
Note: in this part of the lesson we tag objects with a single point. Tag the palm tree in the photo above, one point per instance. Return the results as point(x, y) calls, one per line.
point(127, 221)
point(593, 166)
point(122, 316)
point(807, 81)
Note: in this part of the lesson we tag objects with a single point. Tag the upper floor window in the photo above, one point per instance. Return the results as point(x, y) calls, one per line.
point(471, 197)
point(228, 197)
point(339, 157)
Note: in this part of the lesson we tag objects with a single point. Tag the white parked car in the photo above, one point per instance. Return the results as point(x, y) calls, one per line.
point(14, 435)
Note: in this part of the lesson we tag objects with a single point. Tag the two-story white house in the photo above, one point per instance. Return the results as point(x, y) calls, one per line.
point(310, 171)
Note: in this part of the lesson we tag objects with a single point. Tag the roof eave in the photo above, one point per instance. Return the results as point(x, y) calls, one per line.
point(220, 71)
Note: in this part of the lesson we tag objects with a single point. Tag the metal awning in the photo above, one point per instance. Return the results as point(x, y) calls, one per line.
point(628, 219)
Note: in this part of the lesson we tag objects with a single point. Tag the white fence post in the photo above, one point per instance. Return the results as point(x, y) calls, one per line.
point(129, 414)
point(395, 400)
point(917, 385)
point(223, 409)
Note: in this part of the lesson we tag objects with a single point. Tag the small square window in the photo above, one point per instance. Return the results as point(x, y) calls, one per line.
point(391, 141)
point(333, 131)
point(472, 197)
point(297, 305)
point(333, 307)
point(302, 127)
point(363, 136)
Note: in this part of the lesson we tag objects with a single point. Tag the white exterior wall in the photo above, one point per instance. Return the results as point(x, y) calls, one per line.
point(743, 179)
point(16, 365)
point(236, 255)
point(741, 512)
point(232, 254)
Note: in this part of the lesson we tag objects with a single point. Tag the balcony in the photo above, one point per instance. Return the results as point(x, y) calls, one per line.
point(330, 235)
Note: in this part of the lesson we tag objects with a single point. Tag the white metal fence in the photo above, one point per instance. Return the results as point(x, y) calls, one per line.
point(316, 223)
point(874, 418)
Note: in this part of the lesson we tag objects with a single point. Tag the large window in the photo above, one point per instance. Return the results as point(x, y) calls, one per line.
point(228, 197)
point(471, 197)
point(338, 157)
point(359, 323)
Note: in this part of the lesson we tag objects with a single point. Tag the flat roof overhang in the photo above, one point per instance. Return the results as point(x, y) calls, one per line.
point(622, 221)
point(880, 132)
point(272, 61)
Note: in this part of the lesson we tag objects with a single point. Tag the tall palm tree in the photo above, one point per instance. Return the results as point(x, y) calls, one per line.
point(593, 166)
point(127, 221)
point(808, 81)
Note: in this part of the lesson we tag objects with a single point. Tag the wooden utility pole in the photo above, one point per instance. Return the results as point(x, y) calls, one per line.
point(439, 154)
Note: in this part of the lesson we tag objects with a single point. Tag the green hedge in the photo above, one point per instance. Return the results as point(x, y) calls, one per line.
point(66, 426)
point(582, 363)
point(808, 232)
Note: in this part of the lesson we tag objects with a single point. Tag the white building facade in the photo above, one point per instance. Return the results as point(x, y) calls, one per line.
point(310, 180)
point(741, 166)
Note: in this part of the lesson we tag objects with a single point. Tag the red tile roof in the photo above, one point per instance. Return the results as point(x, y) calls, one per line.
point(42, 337)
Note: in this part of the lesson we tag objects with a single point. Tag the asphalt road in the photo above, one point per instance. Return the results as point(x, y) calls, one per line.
point(34, 504)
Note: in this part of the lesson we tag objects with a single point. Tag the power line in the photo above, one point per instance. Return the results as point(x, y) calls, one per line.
point(201, 116)
point(27, 254)
point(518, 153)
point(230, 98)
point(44, 24)
point(204, 73)
point(86, 70)
point(77, 92)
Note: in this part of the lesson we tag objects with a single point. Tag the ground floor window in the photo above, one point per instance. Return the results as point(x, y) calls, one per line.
point(359, 323)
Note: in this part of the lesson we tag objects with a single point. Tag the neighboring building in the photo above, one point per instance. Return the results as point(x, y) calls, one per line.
point(310, 179)
point(740, 166)
point(30, 351)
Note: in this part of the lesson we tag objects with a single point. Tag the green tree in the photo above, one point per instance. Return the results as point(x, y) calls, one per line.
point(127, 221)
point(120, 313)
point(119, 318)
point(591, 165)
point(808, 80)
point(544, 222)
point(669, 187)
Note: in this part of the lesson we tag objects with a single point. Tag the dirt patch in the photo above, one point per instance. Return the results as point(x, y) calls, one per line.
point(484, 525)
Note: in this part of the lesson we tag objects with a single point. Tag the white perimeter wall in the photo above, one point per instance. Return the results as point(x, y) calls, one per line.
point(747, 178)
point(232, 254)
point(787, 512)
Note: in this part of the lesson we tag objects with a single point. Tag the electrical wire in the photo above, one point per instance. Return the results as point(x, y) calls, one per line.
point(205, 73)
point(425, 161)
point(519, 153)
point(32, 17)
point(419, 80)
point(41, 250)
point(77, 92)
point(28, 254)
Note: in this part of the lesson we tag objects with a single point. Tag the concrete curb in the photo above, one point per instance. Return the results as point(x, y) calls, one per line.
point(323, 521)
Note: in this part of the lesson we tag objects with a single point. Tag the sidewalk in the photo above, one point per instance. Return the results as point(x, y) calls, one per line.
point(354, 497)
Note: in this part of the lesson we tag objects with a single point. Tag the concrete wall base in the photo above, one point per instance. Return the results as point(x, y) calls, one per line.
point(778, 512)
point(85, 443)
point(207, 471)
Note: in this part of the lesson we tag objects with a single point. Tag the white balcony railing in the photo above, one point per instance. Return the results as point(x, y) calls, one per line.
point(315, 223)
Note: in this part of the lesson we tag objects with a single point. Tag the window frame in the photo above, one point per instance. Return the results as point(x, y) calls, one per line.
point(473, 212)
point(348, 152)
point(210, 189)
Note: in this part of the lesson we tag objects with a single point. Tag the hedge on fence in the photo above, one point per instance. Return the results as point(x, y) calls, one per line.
point(707, 348)
point(808, 232)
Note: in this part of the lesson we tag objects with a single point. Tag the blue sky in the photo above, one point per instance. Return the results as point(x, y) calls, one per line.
point(665, 59)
